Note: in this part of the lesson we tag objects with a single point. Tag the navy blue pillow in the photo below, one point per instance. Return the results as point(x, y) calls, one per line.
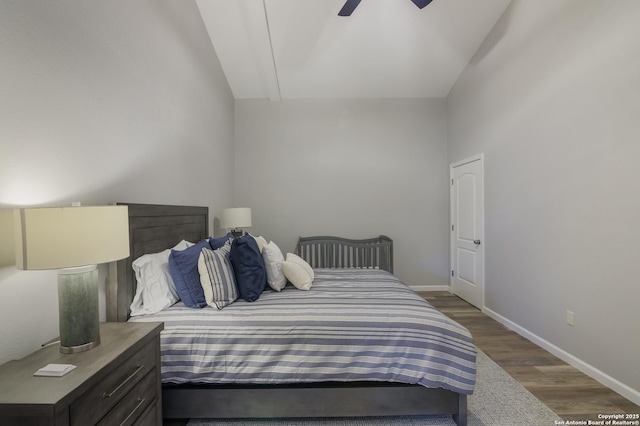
point(183, 267)
point(248, 266)
point(216, 243)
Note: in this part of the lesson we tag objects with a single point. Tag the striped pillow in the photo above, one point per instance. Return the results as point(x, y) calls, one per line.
point(217, 277)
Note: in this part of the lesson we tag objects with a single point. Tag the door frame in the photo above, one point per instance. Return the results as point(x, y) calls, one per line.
point(452, 166)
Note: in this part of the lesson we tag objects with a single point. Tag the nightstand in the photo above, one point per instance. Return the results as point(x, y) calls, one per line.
point(118, 382)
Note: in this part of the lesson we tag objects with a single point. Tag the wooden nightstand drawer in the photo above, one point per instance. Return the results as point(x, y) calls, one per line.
point(117, 381)
point(150, 417)
point(93, 405)
point(131, 407)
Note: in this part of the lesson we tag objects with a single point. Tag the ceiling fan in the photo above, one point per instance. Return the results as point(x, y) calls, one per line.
point(350, 6)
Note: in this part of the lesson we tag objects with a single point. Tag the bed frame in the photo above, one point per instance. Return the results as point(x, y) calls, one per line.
point(153, 228)
point(336, 252)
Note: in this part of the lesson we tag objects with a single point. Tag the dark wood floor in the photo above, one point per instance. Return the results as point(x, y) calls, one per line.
point(568, 392)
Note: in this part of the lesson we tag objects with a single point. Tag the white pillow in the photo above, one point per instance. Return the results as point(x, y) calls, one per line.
point(155, 290)
point(260, 241)
point(298, 272)
point(272, 256)
point(217, 277)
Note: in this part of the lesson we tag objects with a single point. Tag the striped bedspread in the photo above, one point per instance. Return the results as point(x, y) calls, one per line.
point(353, 325)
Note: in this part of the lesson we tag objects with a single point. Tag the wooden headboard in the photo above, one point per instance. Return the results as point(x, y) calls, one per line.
point(152, 228)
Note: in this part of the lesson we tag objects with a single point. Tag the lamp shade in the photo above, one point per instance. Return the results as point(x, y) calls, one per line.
point(66, 237)
point(239, 217)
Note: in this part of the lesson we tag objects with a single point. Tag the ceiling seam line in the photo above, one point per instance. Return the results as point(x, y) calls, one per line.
point(273, 57)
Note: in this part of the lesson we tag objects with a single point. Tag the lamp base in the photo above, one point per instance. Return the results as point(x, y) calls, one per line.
point(80, 348)
point(78, 309)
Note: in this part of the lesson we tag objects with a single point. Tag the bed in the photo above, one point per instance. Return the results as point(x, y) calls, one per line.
point(365, 266)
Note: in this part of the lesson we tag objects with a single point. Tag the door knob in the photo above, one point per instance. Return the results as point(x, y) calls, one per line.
point(476, 242)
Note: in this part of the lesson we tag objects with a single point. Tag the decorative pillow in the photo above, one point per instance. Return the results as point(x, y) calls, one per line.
point(216, 276)
point(298, 272)
point(261, 242)
point(250, 273)
point(216, 243)
point(273, 259)
point(183, 266)
point(155, 290)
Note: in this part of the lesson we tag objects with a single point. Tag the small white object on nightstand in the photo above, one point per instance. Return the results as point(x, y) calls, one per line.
point(54, 370)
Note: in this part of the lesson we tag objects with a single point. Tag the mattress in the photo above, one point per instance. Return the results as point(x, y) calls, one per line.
point(353, 325)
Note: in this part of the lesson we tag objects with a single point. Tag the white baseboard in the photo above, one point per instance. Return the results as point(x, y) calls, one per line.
point(425, 287)
point(614, 384)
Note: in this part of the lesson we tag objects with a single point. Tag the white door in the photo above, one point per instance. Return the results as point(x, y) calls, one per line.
point(467, 230)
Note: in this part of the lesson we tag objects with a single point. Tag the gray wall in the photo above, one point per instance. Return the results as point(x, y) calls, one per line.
point(103, 102)
point(125, 101)
point(552, 99)
point(350, 168)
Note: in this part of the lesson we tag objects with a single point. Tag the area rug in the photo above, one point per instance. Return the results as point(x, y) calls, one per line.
point(498, 400)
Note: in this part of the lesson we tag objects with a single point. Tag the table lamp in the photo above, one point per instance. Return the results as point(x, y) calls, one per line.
point(73, 240)
point(235, 219)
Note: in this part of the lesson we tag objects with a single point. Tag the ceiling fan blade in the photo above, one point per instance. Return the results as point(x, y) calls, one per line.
point(421, 3)
point(348, 7)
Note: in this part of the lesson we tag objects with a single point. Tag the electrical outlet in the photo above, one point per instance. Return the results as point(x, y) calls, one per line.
point(570, 319)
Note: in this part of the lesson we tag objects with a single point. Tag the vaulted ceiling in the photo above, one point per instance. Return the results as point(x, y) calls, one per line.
point(302, 49)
